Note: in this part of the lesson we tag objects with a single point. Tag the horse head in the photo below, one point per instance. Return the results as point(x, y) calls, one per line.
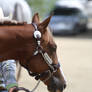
point(44, 64)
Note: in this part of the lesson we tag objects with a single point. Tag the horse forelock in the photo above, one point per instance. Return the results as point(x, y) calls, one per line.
point(47, 36)
point(50, 36)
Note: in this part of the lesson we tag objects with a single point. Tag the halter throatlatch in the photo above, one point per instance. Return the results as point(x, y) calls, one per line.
point(39, 50)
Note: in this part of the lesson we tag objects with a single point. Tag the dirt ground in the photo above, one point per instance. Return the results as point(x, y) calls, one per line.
point(75, 54)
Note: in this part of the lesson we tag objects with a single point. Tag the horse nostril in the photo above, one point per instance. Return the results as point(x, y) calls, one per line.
point(65, 85)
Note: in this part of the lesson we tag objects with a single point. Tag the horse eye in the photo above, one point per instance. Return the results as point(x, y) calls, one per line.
point(53, 48)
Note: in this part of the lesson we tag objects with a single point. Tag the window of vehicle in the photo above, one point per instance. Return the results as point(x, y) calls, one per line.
point(65, 11)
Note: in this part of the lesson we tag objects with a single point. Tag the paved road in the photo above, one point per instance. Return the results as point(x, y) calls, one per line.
point(75, 54)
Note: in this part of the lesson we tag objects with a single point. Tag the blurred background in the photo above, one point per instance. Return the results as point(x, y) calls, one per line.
point(71, 26)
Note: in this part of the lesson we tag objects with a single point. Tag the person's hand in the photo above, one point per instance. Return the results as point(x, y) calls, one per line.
point(11, 89)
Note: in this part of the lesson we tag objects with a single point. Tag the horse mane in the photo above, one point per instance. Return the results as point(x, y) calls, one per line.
point(11, 22)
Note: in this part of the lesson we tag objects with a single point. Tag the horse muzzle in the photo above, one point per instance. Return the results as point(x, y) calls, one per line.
point(56, 85)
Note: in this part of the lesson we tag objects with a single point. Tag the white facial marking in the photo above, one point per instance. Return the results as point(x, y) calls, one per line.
point(62, 72)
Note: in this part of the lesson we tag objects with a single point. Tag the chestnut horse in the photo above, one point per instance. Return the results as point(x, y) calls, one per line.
point(33, 46)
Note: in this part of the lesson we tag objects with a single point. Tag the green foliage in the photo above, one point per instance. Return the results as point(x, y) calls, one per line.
point(43, 7)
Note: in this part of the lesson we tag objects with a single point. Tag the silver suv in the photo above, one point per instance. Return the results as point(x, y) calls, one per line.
point(68, 19)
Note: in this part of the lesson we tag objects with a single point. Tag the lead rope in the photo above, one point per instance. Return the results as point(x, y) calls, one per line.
point(36, 86)
point(26, 90)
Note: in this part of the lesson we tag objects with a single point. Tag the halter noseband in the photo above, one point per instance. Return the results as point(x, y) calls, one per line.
point(39, 50)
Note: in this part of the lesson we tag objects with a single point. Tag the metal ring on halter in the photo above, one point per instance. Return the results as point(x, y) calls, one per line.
point(37, 33)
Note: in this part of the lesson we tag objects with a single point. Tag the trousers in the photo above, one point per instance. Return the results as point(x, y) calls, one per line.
point(7, 75)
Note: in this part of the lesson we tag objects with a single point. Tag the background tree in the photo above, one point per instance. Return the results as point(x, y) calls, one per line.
point(43, 7)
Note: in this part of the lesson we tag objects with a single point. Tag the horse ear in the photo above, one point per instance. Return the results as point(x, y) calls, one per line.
point(45, 23)
point(35, 18)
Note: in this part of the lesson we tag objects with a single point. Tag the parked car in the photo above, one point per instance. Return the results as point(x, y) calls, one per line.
point(69, 18)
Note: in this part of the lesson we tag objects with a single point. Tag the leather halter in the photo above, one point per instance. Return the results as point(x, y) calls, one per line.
point(39, 50)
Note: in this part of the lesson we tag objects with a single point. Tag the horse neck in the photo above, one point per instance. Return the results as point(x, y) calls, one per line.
point(15, 32)
point(13, 39)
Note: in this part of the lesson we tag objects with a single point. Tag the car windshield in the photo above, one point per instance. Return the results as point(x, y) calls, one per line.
point(65, 11)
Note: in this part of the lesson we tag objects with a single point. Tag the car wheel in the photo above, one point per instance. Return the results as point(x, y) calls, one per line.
point(84, 28)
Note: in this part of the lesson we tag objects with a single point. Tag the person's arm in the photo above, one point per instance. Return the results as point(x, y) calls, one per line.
point(9, 70)
point(11, 89)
